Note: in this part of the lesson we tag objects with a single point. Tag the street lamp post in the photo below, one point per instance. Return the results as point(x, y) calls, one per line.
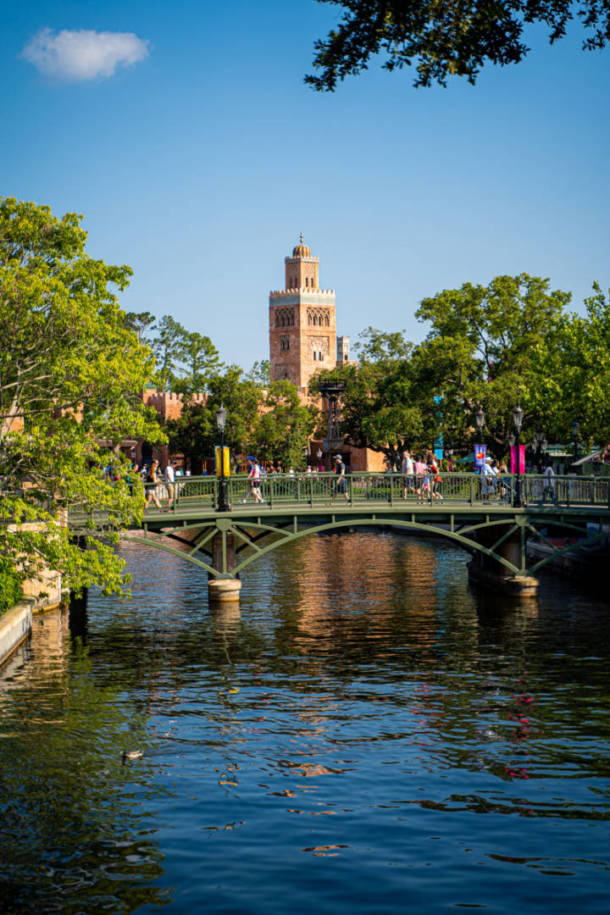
point(480, 418)
point(221, 421)
point(575, 430)
point(518, 421)
point(541, 445)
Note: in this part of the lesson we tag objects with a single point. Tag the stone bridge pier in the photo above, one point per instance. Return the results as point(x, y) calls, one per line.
point(225, 587)
point(504, 542)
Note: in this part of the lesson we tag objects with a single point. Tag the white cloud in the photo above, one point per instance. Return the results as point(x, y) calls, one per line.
point(84, 54)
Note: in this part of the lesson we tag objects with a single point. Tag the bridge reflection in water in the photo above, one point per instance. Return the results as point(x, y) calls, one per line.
point(492, 521)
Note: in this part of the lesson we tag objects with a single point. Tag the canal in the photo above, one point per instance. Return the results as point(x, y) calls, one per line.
point(368, 735)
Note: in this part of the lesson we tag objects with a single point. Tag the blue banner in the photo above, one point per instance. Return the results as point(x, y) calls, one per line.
point(480, 453)
point(438, 444)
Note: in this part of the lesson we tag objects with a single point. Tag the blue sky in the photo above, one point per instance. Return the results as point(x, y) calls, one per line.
point(201, 162)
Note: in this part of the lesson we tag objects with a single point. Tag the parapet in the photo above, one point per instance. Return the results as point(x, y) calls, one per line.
point(278, 293)
point(169, 404)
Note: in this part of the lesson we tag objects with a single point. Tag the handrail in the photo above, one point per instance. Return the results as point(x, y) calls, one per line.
point(393, 489)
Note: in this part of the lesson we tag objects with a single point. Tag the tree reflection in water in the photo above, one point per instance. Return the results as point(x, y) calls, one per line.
point(365, 714)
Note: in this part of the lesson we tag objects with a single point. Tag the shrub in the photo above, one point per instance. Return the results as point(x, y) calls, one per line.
point(10, 586)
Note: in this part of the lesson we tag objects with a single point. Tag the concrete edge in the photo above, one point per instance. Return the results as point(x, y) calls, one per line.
point(15, 627)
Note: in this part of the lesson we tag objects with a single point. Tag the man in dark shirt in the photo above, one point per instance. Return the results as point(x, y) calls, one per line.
point(341, 481)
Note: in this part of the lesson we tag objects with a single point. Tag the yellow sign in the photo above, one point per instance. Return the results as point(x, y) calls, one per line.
point(226, 461)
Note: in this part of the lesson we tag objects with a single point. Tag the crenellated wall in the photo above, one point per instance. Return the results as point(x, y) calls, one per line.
point(168, 404)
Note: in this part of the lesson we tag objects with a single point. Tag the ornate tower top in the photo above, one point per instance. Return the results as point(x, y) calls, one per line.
point(301, 268)
point(301, 250)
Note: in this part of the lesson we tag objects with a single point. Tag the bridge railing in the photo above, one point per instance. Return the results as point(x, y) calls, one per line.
point(380, 488)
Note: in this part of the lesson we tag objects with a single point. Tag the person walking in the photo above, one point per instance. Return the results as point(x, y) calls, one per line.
point(341, 484)
point(420, 475)
point(436, 481)
point(549, 482)
point(488, 479)
point(406, 468)
point(170, 483)
point(152, 484)
point(254, 480)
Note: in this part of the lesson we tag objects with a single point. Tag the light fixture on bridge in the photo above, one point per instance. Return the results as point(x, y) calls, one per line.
point(480, 418)
point(518, 418)
point(221, 422)
point(518, 421)
point(539, 445)
point(221, 418)
point(575, 433)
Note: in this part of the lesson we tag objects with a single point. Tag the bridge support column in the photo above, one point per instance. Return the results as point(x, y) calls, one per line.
point(226, 587)
point(490, 573)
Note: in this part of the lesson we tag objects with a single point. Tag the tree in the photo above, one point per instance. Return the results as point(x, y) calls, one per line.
point(452, 38)
point(186, 359)
point(572, 367)
point(143, 323)
point(199, 362)
point(71, 376)
point(283, 426)
point(260, 373)
point(379, 409)
point(482, 350)
point(168, 348)
point(193, 434)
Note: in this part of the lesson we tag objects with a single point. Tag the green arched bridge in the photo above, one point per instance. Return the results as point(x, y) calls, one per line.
point(493, 521)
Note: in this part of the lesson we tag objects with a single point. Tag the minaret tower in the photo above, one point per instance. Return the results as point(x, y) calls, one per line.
point(302, 326)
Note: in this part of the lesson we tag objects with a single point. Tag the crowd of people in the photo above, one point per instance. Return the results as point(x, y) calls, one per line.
point(423, 477)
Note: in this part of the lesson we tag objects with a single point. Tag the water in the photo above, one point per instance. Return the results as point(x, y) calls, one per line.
point(368, 736)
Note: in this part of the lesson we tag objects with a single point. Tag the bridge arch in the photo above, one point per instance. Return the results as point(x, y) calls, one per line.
point(247, 533)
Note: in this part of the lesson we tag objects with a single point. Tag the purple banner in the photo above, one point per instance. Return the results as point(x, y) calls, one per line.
point(513, 459)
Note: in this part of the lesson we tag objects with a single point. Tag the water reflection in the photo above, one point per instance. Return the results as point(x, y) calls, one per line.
point(70, 820)
point(367, 730)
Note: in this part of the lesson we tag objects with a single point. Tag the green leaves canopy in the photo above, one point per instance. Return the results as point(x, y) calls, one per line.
point(484, 349)
point(272, 422)
point(509, 342)
point(449, 38)
point(71, 376)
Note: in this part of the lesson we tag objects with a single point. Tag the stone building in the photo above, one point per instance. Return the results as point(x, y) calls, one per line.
point(302, 323)
point(303, 339)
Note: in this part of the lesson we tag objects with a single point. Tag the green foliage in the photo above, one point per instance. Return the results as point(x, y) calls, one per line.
point(71, 376)
point(193, 434)
point(10, 585)
point(260, 373)
point(379, 409)
point(481, 350)
point(494, 346)
point(143, 323)
point(572, 366)
point(186, 360)
point(453, 38)
point(272, 422)
point(283, 426)
point(200, 361)
point(167, 347)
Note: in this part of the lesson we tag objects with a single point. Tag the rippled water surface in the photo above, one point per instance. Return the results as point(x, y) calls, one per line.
point(367, 735)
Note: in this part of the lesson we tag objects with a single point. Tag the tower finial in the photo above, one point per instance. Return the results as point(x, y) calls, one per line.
point(301, 238)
